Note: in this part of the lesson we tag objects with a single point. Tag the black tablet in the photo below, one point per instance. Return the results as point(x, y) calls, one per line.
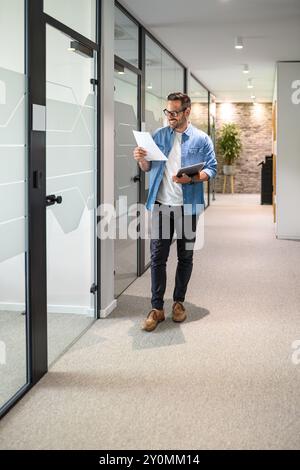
point(190, 170)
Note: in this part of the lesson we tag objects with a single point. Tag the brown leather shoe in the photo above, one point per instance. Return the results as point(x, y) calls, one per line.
point(178, 312)
point(154, 317)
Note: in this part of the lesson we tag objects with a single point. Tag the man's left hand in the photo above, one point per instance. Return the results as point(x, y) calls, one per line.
point(184, 179)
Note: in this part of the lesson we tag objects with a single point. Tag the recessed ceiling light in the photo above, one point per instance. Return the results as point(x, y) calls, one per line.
point(239, 42)
point(250, 84)
point(253, 97)
point(246, 68)
point(150, 86)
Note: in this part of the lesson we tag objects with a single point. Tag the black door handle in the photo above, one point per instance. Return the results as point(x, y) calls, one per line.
point(136, 178)
point(52, 199)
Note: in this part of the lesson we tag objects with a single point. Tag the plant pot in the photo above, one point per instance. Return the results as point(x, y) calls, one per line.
point(228, 170)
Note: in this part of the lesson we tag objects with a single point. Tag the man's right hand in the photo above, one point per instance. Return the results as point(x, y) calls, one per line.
point(139, 155)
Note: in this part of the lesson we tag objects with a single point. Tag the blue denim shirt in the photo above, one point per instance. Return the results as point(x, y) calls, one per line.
point(196, 147)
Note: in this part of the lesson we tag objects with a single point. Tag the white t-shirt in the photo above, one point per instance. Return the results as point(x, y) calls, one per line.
point(169, 192)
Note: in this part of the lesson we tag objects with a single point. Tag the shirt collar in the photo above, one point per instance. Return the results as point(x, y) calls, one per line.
point(187, 132)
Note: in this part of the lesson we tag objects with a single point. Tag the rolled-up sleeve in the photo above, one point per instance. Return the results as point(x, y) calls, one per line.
point(211, 164)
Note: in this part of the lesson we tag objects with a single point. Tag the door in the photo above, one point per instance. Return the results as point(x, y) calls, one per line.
point(126, 176)
point(71, 189)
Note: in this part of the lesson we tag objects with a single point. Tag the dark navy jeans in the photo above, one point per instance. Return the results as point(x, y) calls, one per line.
point(165, 221)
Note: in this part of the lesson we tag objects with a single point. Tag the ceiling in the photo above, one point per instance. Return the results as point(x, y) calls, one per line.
point(201, 33)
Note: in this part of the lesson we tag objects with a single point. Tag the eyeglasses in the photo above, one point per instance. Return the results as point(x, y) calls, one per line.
point(173, 113)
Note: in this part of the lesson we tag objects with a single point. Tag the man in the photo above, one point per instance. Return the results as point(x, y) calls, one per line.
point(175, 202)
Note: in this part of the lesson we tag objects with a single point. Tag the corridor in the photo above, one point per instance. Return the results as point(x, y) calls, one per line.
point(224, 379)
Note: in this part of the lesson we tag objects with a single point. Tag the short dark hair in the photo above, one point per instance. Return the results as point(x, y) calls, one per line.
point(178, 96)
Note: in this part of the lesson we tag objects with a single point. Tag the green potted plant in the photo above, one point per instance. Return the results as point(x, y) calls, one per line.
point(230, 146)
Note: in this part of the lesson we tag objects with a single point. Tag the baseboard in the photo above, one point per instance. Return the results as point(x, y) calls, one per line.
point(72, 309)
point(105, 312)
point(288, 237)
point(12, 307)
point(65, 309)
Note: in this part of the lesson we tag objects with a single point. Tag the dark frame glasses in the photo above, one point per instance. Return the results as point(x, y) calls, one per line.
point(173, 113)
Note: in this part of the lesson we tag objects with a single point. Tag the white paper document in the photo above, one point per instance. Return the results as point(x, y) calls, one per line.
point(144, 139)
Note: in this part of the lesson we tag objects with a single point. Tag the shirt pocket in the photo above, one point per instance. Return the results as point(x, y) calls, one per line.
point(196, 154)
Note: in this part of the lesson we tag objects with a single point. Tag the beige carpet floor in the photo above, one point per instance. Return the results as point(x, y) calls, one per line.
point(225, 379)
point(63, 330)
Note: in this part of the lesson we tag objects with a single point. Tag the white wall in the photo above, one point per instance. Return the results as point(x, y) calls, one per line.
point(288, 151)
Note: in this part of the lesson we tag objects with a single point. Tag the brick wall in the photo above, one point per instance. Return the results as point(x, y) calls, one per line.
point(199, 116)
point(255, 122)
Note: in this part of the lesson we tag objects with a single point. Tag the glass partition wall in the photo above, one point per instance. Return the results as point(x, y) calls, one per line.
point(163, 75)
point(49, 189)
point(70, 170)
point(13, 201)
point(126, 172)
point(71, 179)
point(76, 14)
point(49, 178)
point(157, 73)
point(127, 89)
point(126, 34)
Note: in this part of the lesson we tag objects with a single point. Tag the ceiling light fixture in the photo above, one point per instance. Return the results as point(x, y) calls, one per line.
point(250, 84)
point(239, 42)
point(150, 86)
point(246, 68)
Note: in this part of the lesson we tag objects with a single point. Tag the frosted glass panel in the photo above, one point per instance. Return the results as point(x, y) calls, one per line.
point(79, 15)
point(12, 29)
point(126, 191)
point(71, 174)
point(13, 211)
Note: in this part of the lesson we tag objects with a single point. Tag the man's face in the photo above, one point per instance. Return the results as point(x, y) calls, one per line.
point(181, 119)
